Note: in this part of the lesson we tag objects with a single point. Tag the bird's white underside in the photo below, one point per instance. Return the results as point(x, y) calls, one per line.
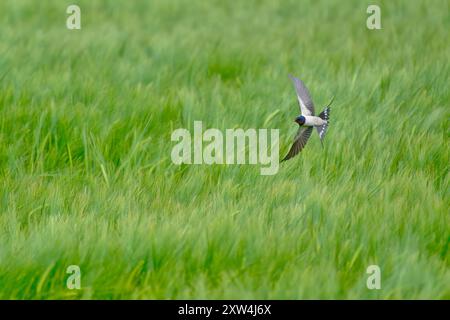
point(313, 121)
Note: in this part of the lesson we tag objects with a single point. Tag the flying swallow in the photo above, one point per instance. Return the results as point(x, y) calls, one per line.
point(307, 120)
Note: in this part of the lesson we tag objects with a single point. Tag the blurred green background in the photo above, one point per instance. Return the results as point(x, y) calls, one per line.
point(85, 170)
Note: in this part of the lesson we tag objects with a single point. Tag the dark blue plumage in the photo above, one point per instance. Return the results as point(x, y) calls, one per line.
point(300, 120)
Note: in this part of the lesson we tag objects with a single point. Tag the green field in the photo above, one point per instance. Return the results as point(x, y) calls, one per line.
point(86, 176)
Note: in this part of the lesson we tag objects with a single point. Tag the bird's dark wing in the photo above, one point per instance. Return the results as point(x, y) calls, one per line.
point(303, 96)
point(301, 138)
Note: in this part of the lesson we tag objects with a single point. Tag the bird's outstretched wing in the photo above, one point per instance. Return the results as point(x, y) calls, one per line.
point(303, 96)
point(300, 140)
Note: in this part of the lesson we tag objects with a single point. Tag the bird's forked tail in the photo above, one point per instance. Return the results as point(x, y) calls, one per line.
point(325, 115)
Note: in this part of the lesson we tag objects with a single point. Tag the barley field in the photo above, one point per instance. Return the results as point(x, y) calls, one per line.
point(86, 175)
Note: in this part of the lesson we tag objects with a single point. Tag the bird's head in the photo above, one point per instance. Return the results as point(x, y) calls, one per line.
point(300, 120)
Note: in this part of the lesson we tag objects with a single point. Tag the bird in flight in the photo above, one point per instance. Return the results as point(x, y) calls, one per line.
point(307, 120)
